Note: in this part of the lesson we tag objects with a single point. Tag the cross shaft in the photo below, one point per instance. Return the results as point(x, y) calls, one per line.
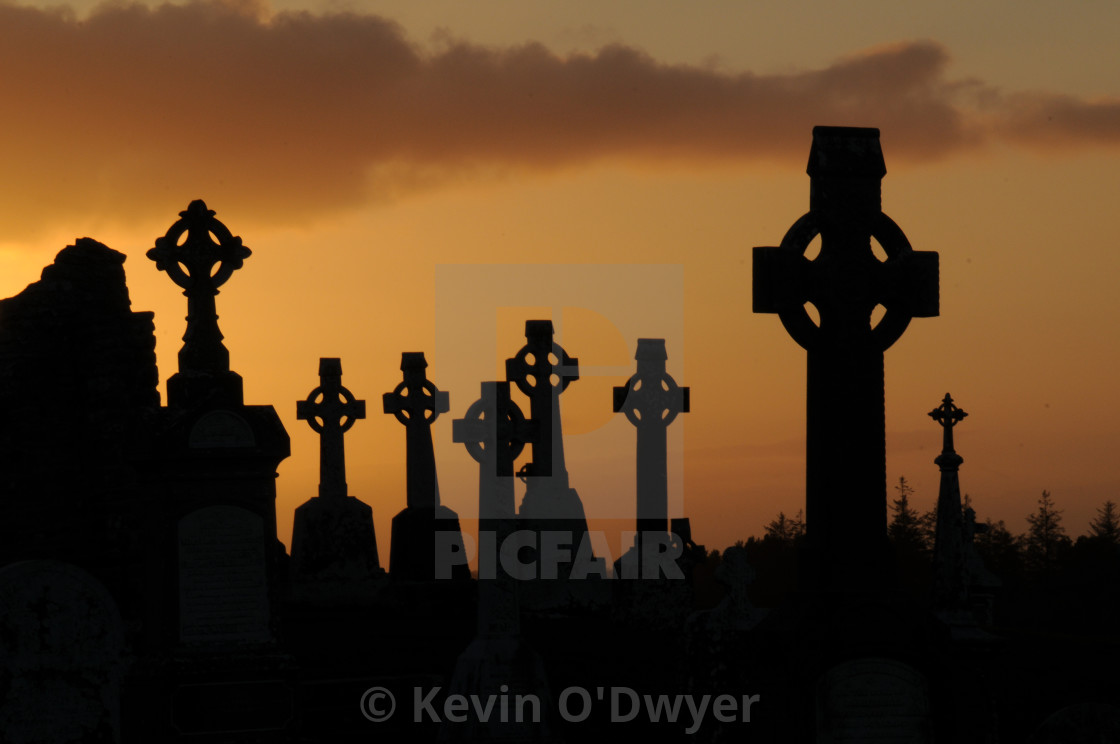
point(417, 403)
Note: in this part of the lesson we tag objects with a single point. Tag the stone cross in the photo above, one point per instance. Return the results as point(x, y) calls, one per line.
point(845, 485)
point(950, 579)
point(948, 415)
point(542, 370)
point(330, 410)
point(495, 432)
point(651, 400)
point(416, 403)
point(189, 253)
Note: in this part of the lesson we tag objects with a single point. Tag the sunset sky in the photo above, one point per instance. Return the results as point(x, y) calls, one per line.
point(424, 176)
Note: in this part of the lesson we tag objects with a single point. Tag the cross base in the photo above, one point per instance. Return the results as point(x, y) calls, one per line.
point(333, 543)
point(427, 545)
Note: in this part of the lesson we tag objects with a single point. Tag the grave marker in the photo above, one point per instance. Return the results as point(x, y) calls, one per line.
point(334, 545)
point(651, 400)
point(425, 530)
point(845, 483)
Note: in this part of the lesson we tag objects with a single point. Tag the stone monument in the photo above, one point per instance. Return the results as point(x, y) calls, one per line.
point(334, 546)
point(551, 508)
point(856, 638)
point(651, 400)
point(214, 565)
point(61, 656)
point(426, 540)
point(845, 481)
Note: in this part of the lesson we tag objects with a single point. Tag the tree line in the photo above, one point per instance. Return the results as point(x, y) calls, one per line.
point(1044, 554)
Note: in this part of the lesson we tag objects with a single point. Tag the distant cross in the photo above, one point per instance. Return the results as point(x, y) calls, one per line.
point(331, 410)
point(416, 403)
point(948, 415)
point(845, 447)
point(542, 370)
point(951, 533)
point(199, 254)
point(651, 400)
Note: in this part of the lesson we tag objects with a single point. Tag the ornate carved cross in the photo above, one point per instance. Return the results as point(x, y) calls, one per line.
point(845, 449)
point(651, 400)
point(542, 370)
point(416, 403)
point(199, 254)
point(330, 410)
point(948, 415)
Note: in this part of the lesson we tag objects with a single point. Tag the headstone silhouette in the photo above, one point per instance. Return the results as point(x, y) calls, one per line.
point(215, 566)
point(651, 400)
point(957, 568)
point(200, 254)
point(542, 370)
point(426, 541)
point(61, 656)
point(498, 661)
point(334, 546)
point(845, 480)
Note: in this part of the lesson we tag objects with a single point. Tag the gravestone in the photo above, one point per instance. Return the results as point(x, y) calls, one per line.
point(551, 508)
point(845, 480)
point(223, 578)
point(844, 634)
point(334, 547)
point(498, 661)
point(61, 663)
point(210, 464)
point(871, 700)
point(651, 400)
point(426, 539)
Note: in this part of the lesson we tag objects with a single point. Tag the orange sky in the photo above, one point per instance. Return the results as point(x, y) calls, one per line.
point(361, 157)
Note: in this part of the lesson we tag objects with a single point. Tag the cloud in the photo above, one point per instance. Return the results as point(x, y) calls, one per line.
point(284, 117)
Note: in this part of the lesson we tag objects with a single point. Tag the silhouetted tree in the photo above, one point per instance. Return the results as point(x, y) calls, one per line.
point(907, 529)
point(1046, 541)
point(1106, 526)
point(785, 529)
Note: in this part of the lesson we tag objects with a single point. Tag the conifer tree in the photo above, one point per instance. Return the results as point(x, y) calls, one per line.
point(1106, 526)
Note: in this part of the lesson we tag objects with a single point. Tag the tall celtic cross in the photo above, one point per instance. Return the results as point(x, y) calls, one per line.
point(651, 400)
point(845, 480)
point(542, 370)
point(199, 254)
point(416, 403)
point(330, 410)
